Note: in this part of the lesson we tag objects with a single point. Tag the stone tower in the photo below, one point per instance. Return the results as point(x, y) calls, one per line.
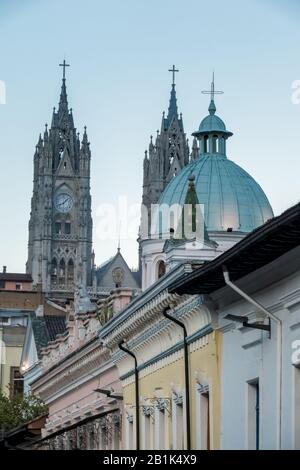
point(166, 156)
point(60, 226)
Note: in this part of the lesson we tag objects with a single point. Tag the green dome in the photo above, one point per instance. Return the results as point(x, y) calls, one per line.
point(212, 123)
point(232, 199)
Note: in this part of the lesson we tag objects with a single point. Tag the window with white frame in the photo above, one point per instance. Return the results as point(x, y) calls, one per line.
point(203, 417)
point(116, 433)
point(253, 415)
point(147, 427)
point(296, 413)
point(129, 431)
point(161, 415)
point(177, 422)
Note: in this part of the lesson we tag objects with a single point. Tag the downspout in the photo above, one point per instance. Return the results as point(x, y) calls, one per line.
point(279, 344)
point(136, 379)
point(186, 375)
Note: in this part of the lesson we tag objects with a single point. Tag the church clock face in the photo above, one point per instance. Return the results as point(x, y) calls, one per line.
point(63, 202)
point(118, 275)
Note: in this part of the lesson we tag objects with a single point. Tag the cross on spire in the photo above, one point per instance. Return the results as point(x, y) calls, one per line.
point(64, 65)
point(173, 70)
point(212, 92)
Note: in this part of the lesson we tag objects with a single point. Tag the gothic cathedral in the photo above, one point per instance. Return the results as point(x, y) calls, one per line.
point(60, 227)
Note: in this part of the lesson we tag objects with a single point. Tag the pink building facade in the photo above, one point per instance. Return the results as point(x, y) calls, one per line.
point(80, 383)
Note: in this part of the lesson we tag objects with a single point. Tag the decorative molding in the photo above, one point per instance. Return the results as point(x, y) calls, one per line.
point(171, 355)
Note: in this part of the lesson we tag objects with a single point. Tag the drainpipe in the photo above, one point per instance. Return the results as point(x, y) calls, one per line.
point(279, 344)
point(186, 375)
point(136, 379)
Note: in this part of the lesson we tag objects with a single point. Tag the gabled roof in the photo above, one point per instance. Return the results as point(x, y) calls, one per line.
point(104, 268)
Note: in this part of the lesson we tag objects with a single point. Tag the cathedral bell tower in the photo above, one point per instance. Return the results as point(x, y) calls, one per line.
point(60, 226)
point(166, 156)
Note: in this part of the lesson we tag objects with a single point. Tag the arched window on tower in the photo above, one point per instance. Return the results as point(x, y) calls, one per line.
point(62, 271)
point(161, 269)
point(70, 271)
point(215, 144)
point(54, 270)
point(205, 144)
point(222, 145)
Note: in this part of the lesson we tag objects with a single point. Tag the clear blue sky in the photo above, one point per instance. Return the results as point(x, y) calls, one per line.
point(118, 85)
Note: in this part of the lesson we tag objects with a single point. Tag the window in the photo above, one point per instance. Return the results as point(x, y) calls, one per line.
point(205, 144)
point(161, 269)
point(18, 286)
point(62, 269)
point(147, 428)
point(16, 382)
point(160, 425)
point(129, 431)
point(177, 422)
point(214, 144)
point(2, 284)
point(252, 418)
point(58, 228)
point(116, 432)
point(297, 408)
point(54, 269)
point(70, 270)
point(67, 228)
point(203, 417)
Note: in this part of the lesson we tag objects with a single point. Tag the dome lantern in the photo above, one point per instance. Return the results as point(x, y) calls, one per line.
point(212, 133)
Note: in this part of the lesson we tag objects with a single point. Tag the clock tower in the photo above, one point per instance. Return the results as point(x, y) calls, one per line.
point(60, 226)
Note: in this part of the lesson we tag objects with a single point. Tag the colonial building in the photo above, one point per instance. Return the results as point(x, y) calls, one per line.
point(12, 332)
point(79, 382)
point(15, 281)
point(253, 292)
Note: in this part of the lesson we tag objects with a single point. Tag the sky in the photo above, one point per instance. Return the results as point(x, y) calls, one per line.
point(118, 86)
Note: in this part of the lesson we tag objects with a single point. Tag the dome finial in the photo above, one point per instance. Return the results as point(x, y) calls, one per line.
point(212, 92)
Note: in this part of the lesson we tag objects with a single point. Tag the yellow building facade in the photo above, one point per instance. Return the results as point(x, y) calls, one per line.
point(142, 333)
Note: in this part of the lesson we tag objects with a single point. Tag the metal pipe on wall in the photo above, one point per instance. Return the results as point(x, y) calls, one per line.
point(137, 406)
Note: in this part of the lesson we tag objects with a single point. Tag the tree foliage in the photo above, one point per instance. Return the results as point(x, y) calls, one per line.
point(19, 410)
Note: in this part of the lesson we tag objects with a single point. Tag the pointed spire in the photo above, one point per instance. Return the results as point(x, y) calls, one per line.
point(119, 239)
point(46, 134)
point(151, 146)
point(191, 210)
point(84, 137)
point(63, 101)
point(172, 111)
